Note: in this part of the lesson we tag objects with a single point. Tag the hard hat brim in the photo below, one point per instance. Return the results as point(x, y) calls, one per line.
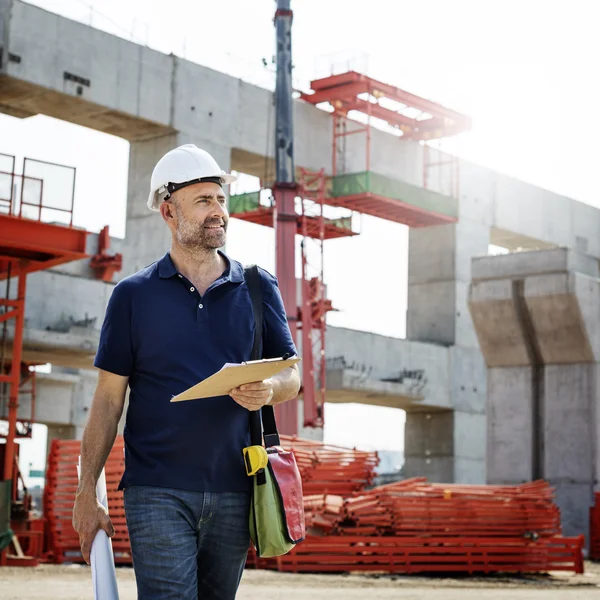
point(154, 203)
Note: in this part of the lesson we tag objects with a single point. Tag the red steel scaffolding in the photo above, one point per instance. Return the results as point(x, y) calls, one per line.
point(364, 192)
point(27, 244)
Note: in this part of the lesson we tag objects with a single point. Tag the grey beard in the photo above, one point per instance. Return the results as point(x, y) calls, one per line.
point(197, 239)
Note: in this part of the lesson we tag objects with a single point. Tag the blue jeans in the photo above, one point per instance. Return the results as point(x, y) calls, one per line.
point(187, 545)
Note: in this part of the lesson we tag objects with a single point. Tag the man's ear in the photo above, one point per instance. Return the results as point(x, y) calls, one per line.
point(167, 211)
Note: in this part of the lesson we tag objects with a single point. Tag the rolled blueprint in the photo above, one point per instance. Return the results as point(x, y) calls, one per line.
point(102, 562)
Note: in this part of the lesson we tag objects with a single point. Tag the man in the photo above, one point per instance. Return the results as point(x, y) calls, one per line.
point(176, 322)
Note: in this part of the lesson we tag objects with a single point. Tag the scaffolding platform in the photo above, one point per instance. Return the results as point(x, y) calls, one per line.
point(36, 245)
point(418, 118)
point(247, 207)
point(391, 199)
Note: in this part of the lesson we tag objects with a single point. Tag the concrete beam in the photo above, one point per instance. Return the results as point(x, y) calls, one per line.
point(495, 313)
point(345, 386)
point(521, 264)
point(558, 312)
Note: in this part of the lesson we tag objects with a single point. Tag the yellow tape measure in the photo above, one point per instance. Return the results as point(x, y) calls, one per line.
point(256, 458)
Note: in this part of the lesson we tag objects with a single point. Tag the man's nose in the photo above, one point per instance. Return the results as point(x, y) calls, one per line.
point(220, 210)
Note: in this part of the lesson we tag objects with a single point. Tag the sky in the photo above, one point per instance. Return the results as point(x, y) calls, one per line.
point(525, 71)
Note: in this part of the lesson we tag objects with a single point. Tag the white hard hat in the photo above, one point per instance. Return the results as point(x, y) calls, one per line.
point(186, 164)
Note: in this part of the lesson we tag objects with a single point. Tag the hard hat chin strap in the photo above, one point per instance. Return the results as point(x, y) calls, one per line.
point(173, 187)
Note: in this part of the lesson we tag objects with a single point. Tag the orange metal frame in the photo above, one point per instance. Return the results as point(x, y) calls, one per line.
point(433, 121)
point(104, 263)
point(342, 92)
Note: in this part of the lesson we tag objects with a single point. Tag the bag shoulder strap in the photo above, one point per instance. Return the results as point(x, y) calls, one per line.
point(271, 435)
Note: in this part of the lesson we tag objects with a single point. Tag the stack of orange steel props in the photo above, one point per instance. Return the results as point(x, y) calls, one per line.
point(414, 526)
point(406, 527)
point(62, 543)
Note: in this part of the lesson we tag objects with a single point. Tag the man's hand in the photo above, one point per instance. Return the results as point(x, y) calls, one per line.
point(88, 517)
point(253, 396)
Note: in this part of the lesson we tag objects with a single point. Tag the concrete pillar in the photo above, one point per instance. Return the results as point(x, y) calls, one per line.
point(429, 445)
point(570, 400)
point(538, 322)
point(439, 273)
point(509, 426)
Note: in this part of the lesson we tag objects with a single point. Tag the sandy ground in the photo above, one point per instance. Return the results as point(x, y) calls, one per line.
point(74, 583)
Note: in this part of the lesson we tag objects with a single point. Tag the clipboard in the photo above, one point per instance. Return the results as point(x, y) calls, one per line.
point(234, 375)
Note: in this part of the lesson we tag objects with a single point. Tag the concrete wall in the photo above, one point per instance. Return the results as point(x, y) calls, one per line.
point(54, 300)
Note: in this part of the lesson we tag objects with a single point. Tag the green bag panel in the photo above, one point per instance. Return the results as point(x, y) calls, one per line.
point(5, 530)
point(267, 526)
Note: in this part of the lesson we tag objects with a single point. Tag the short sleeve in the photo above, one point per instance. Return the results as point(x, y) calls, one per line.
point(115, 349)
point(277, 337)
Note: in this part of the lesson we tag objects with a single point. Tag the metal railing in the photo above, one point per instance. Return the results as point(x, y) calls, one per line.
point(44, 191)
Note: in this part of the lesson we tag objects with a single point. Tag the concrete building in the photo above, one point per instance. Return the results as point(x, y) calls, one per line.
point(64, 69)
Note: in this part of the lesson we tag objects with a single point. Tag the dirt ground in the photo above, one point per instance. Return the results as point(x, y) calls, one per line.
point(74, 583)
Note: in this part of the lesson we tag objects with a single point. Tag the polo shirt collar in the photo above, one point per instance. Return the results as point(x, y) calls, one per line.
point(234, 271)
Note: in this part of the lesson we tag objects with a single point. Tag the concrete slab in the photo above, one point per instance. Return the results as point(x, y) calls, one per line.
point(346, 386)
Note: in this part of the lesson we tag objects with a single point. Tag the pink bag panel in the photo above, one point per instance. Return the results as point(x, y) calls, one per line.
point(284, 468)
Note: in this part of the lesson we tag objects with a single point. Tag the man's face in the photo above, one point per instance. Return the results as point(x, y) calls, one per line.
point(200, 216)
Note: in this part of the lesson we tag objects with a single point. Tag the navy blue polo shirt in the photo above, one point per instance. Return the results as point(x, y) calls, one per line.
point(165, 337)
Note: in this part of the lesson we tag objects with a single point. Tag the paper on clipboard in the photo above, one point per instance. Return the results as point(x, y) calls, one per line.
point(232, 375)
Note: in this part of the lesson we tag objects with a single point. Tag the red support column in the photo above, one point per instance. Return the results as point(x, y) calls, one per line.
point(15, 377)
point(285, 232)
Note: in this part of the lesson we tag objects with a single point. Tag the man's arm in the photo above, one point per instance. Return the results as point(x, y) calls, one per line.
point(280, 388)
point(286, 385)
point(98, 438)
